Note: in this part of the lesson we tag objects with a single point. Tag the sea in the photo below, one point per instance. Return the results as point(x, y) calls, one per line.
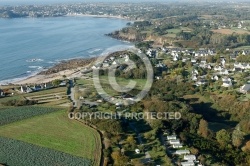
point(30, 45)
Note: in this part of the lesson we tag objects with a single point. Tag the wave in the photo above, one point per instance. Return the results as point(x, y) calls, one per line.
point(116, 48)
point(95, 50)
point(34, 60)
point(36, 67)
point(19, 78)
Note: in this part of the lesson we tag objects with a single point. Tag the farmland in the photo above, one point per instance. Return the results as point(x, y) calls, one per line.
point(12, 114)
point(58, 132)
point(231, 31)
point(50, 97)
point(14, 152)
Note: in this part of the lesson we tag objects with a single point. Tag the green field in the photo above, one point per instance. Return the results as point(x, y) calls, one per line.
point(105, 80)
point(243, 48)
point(12, 114)
point(56, 131)
point(107, 86)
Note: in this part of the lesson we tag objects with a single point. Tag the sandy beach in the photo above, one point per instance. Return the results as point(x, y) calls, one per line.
point(38, 79)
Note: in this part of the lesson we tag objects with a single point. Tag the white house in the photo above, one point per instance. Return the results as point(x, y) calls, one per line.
point(95, 67)
point(195, 71)
point(245, 88)
point(217, 68)
point(224, 72)
point(176, 146)
point(201, 82)
point(105, 64)
point(223, 62)
point(204, 61)
point(26, 89)
point(193, 60)
point(188, 163)
point(171, 137)
point(112, 58)
point(1, 93)
point(190, 157)
point(48, 85)
point(126, 58)
point(115, 63)
point(175, 57)
point(181, 152)
point(194, 78)
point(227, 82)
point(172, 142)
point(243, 52)
point(216, 78)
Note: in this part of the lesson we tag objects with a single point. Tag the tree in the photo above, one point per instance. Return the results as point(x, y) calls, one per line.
point(131, 140)
point(119, 159)
point(237, 138)
point(203, 128)
point(246, 148)
point(223, 137)
point(56, 82)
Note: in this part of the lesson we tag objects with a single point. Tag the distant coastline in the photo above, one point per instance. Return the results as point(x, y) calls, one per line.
point(101, 16)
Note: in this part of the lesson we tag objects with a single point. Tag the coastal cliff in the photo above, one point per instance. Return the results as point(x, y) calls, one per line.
point(127, 36)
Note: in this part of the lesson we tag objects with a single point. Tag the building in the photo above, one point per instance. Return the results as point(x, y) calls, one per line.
point(190, 157)
point(172, 142)
point(227, 82)
point(2, 93)
point(176, 146)
point(188, 163)
point(171, 137)
point(181, 152)
point(26, 89)
point(245, 88)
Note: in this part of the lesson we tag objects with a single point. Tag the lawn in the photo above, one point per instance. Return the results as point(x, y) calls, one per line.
point(56, 131)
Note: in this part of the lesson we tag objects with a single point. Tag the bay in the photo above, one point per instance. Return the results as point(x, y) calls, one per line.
point(28, 45)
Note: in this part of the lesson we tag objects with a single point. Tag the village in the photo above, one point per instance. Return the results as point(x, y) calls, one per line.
point(198, 68)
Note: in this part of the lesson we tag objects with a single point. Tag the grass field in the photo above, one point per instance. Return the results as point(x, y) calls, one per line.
point(243, 47)
point(231, 31)
point(104, 80)
point(56, 131)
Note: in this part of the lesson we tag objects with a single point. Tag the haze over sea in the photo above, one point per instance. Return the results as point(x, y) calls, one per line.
point(28, 45)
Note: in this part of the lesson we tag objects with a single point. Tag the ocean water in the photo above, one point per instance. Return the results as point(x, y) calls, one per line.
point(30, 45)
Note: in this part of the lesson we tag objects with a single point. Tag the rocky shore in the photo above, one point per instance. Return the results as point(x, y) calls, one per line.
point(68, 65)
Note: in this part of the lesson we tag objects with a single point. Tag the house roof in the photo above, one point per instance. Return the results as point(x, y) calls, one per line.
point(246, 87)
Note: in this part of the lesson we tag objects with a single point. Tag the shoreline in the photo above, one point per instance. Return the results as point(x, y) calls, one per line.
point(73, 72)
point(98, 16)
point(39, 78)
